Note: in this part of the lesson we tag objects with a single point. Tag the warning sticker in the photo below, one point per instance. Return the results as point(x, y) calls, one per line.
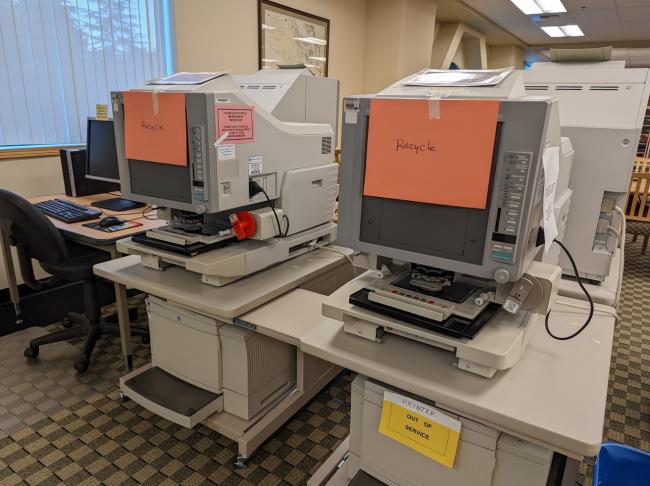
point(237, 121)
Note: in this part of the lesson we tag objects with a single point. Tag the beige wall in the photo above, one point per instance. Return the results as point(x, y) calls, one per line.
point(222, 34)
point(399, 38)
point(505, 56)
point(382, 39)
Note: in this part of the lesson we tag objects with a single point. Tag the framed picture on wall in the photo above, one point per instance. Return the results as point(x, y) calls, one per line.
point(290, 37)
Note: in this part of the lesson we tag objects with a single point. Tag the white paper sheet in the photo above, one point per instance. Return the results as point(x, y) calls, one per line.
point(551, 161)
point(466, 77)
point(184, 78)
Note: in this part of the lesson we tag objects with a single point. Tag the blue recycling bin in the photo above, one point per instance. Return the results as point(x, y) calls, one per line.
point(621, 465)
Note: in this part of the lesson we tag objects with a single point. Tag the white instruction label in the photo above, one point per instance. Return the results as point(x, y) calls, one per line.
point(226, 151)
point(351, 117)
point(511, 305)
point(551, 160)
point(255, 164)
point(222, 100)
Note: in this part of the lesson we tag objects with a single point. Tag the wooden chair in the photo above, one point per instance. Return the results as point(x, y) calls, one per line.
point(642, 164)
point(637, 211)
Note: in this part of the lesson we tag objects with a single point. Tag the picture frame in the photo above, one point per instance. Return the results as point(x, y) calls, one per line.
point(290, 37)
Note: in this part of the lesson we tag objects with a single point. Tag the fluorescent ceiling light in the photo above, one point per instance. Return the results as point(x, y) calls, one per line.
point(572, 30)
point(551, 6)
point(269, 60)
point(553, 31)
point(310, 65)
point(564, 31)
point(318, 58)
point(267, 27)
point(532, 7)
point(311, 40)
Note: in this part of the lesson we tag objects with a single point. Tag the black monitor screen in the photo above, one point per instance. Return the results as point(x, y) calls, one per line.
point(101, 152)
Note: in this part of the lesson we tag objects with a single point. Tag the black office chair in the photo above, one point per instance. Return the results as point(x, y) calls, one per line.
point(34, 236)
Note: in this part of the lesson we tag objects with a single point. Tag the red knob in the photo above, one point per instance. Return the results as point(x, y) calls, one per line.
point(243, 224)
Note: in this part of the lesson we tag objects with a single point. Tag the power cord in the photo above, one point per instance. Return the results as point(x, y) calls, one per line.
point(313, 244)
point(253, 189)
point(621, 245)
point(591, 302)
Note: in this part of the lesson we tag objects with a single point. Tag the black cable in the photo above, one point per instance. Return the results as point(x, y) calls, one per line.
point(253, 189)
point(591, 302)
point(277, 220)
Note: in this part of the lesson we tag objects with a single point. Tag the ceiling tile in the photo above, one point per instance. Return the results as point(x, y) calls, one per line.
point(637, 36)
point(600, 25)
point(572, 5)
point(634, 14)
point(631, 3)
point(601, 16)
point(637, 28)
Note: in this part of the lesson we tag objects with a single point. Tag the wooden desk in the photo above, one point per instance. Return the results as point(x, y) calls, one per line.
point(95, 238)
point(86, 236)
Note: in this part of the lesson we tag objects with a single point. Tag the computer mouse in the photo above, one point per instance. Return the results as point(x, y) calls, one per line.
point(110, 221)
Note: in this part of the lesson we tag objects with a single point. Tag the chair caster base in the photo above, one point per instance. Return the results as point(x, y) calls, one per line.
point(241, 461)
point(81, 365)
point(31, 352)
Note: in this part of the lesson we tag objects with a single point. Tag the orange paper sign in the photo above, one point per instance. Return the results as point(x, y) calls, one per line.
point(155, 129)
point(436, 152)
point(238, 122)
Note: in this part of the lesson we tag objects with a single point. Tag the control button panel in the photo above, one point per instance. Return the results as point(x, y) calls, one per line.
point(510, 205)
point(198, 164)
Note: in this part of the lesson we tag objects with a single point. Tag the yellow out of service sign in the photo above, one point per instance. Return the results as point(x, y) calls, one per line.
point(420, 427)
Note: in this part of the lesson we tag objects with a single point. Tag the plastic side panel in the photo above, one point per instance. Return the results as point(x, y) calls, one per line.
point(251, 362)
point(600, 108)
point(185, 352)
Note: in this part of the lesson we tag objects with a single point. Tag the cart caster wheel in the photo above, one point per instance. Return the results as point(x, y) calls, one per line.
point(81, 365)
point(67, 323)
point(241, 461)
point(31, 352)
point(122, 398)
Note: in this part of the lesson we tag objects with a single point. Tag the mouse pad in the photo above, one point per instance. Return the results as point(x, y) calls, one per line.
point(113, 229)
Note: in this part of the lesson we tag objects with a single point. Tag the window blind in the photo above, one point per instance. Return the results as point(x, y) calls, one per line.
point(59, 58)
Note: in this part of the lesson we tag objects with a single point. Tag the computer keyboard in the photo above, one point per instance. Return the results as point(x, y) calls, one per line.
point(67, 211)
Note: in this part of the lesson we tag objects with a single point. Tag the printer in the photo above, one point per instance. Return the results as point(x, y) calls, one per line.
point(444, 189)
point(242, 168)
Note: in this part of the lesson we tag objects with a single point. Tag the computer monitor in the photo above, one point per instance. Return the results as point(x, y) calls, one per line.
point(102, 164)
point(101, 160)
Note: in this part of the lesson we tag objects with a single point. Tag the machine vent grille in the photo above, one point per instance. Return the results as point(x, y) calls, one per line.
point(604, 88)
point(269, 86)
point(568, 88)
point(536, 88)
point(326, 145)
point(253, 86)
